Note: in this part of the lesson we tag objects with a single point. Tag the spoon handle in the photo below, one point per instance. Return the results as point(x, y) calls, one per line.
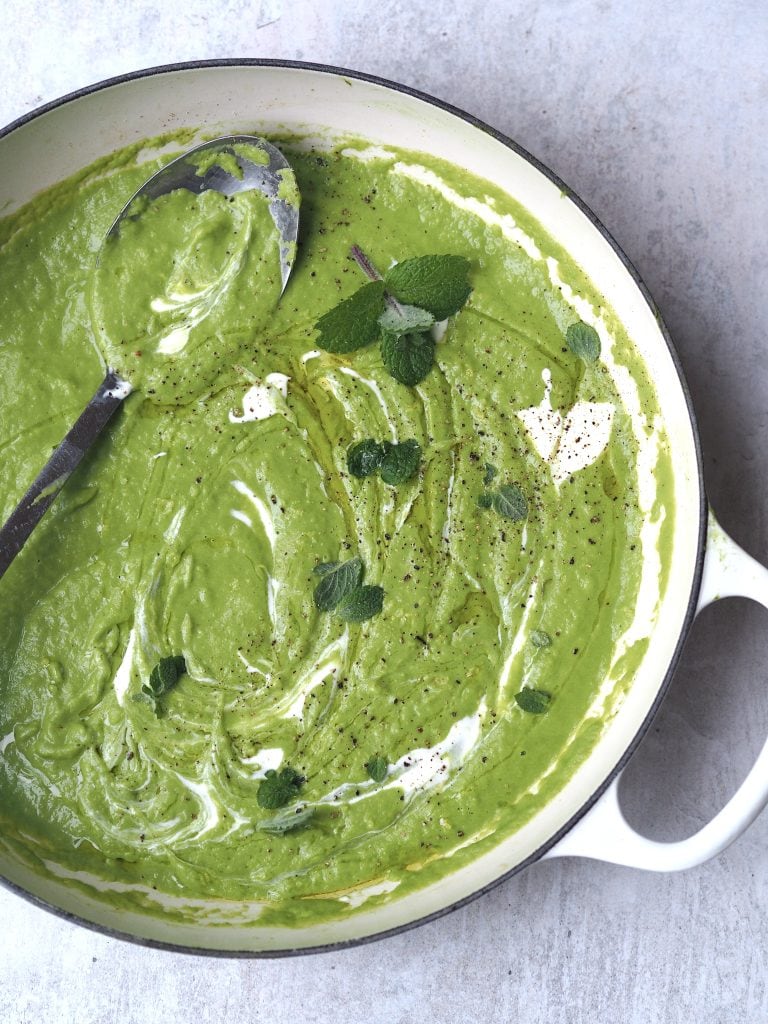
point(55, 473)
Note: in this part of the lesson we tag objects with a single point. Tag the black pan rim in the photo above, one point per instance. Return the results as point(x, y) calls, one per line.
point(328, 69)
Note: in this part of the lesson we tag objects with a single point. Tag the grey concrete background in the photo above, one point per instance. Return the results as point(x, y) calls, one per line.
point(656, 114)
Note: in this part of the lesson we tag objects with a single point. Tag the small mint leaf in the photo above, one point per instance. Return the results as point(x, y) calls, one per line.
point(436, 283)
point(408, 357)
point(377, 768)
point(278, 789)
point(583, 341)
point(535, 702)
point(485, 500)
point(365, 457)
point(405, 319)
point(509, 501)
point(354, 322)
point(337, 582)
point(361, 604)
point(490, 473)
point(400, 462)
point(164, 676)
point(541, 639)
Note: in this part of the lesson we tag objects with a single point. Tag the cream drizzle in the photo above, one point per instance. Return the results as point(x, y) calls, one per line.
point(571, 442)
point(331, 660)
point(422, 769)
point(356, 897)
point(265, 516)
point(241, 517)
point(122, 678)
point(375, 389)
point(261, 401)
point(268, 759)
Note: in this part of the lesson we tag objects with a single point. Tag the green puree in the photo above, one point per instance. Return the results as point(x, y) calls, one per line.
point(194, 528)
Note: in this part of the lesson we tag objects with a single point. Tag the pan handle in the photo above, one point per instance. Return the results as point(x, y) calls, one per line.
point(604, 833)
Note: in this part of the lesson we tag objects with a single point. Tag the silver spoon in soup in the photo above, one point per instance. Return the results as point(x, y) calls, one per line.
point(207, 242)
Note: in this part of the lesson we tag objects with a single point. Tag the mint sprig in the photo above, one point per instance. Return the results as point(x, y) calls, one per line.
point(365, 457)
point(508, 501)
point(395, 463)
point(338, 580)
point(377, 768)
point(400, 462)
point(398, 310)
point(583, 341)
point(163, 678)
point(276, 790)
point(534, 702)
point(341, 590)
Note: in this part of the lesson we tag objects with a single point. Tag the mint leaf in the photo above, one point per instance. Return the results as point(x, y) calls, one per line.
point(354, 322)
point(408, 357)
point(377, 768)
point(400, 462)
point(535, 702)
point(162, 678)
point(364, 457)
point(278, 790)
point(485, 500)
point(490, 473)
point(405, 319)
point(289, 822)
point(396, 463)
point(361, 604)
point(541, 639)
point(583, 341)
point(340, 589)
point(436, 283)
point(509, 501)
point(165, 674)
point(337, 582)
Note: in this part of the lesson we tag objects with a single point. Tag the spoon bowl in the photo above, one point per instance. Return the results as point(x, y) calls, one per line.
point(226, 165)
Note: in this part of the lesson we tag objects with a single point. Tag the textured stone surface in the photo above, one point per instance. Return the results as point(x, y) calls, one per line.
point(656, 114)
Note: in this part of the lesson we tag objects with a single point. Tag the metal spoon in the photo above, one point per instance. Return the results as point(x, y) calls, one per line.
point(182, 172)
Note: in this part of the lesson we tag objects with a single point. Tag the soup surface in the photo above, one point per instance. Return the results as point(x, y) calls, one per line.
point(520, 565)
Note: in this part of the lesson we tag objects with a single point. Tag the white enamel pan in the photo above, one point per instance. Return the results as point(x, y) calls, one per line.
point(585, 818)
